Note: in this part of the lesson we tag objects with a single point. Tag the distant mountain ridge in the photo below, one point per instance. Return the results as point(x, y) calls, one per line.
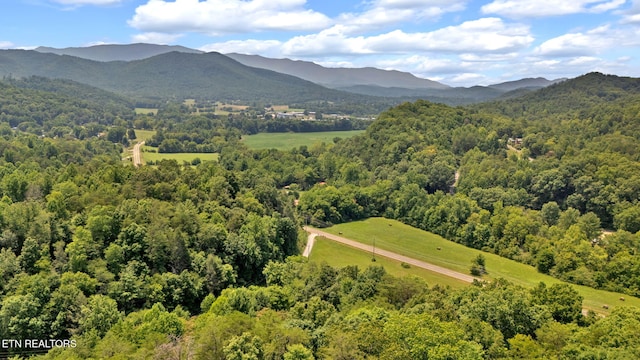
point(173, 75)
point(339, 77)
point(117, 52)
point(134, 70)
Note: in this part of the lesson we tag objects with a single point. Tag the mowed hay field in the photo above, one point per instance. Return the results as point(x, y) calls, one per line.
point(148, 155)
point(146, 111)
point(144, 135)
point(339, 256)
point(288, 141)
point(422, 245)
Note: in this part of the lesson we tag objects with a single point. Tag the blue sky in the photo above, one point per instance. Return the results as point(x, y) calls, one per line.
point(456, 42)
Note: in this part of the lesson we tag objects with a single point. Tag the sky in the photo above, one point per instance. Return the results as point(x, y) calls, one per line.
point(456, 42)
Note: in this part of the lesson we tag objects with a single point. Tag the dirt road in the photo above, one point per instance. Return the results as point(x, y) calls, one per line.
point(311, 240)
point(137, 157)
point(391, 255)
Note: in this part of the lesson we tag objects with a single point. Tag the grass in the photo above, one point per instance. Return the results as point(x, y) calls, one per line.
point(339, 256)
point(144, 135)
point(146, 111)
point(232, 107)
point(403, 239)
point(147, 155)
point(287, 141)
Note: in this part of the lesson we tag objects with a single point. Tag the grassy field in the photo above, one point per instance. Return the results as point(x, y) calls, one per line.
point(403, 239)
point(144, 135)
point(147, 155)
point(287, 141)
point(339, 256)
point(146, 111)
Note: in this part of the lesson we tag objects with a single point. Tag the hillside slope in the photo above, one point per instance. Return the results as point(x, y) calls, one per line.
point(339, 77)
point(117, 52)
point(172, 76)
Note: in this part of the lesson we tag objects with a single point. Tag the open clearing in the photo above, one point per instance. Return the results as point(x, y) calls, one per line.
point(146, 111)
point(339, 256)
point(144, 135)
point(405, 240)
point(148, 155)
point(288, 141)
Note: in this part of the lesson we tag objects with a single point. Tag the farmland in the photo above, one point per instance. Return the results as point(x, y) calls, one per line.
point(339, 256)
point(144, 135)
point(287, 141)
point(150, 154)
point(425, 246)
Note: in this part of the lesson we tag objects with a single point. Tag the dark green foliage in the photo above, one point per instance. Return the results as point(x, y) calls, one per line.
point(564, 302)
point(478, 266)
point(120, 257)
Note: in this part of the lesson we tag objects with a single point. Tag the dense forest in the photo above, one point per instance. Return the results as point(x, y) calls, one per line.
point(178, 261)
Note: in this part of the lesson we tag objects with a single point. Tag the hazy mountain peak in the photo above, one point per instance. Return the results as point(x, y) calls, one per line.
point(339, 77)
point(117, 52)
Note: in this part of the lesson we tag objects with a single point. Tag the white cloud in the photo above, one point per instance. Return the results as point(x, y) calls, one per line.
point(424, 66)
point(155, 38)
point(6, 45)
point(468, 79)
point(217, 17)
point(382, 13)
point(582, 61)
point(488, 35)
point(631, 19)
point(268, 48)
point(632, 15)
point(542, 8)
point(329, 42)
point(485, 58)
point(338, 64)
point(592, 42)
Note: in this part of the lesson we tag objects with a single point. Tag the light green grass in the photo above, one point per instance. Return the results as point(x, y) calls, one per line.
point(403, 239)
point(146, 111)
point(179, 157)
point(287, 141)
point(144, 135)
point(339, 256)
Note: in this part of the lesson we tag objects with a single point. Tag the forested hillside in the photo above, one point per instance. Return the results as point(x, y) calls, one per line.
point(58, 108)
point(200, 262)
point(176, 76)
point(539, 177)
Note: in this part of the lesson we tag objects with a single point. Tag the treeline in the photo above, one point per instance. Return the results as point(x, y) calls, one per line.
point(121, 258)
point(543, 205)
point(79, 229)
point(313, 311)
point(253, 126)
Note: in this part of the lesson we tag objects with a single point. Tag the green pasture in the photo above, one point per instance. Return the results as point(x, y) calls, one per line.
point(148, 155)
point(287, 141)
point(144, 135)
point(422, 245)
point(146, 111)
point(338, 255)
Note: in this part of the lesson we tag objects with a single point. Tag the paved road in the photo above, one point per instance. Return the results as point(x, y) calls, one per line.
point(137, 157)
point(391, 255)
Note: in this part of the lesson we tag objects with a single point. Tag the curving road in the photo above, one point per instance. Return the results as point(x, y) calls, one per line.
point(137, 156)
point(388, 254)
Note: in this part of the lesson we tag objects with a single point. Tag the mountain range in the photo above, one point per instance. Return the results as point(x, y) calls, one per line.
point(161, 71)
